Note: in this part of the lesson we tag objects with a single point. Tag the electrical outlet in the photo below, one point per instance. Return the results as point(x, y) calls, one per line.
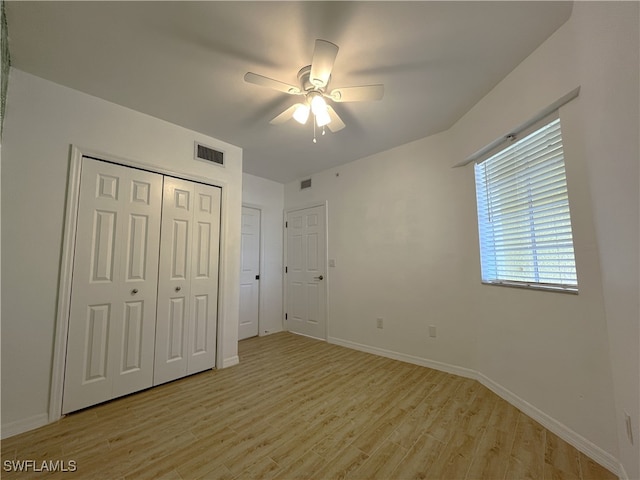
point(379, 323)
point(432, 331)
point(629, 425)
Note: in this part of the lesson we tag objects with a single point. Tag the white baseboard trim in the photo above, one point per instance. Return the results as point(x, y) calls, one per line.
point(561, 430)
point(230, 362)
point(308, 336)
point(622, 473)
point(20, 426)
point(578, 441)
point(403, 357)
point(269, 332)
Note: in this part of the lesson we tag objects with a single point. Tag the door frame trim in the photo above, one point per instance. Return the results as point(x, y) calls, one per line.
point(324, 204)
point(255, 206)
point(67, 256)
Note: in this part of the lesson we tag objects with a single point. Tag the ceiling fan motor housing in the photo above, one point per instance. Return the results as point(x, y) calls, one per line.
point(304, 77)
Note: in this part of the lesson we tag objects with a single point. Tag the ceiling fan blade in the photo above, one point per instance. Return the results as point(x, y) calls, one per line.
point(357, 94)
point(263, 81)
point(336, 124)
point(285, 116)
point(324, 55)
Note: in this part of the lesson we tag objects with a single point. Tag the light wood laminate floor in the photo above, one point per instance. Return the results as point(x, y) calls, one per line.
point(297, 408)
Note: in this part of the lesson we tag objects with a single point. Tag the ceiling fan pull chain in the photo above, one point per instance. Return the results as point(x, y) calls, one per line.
point(314, 132)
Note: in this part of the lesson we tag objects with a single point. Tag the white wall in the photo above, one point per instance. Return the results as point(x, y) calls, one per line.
point(549, 349)
point(268, 196)
point(608, 43)
point(598, 50)
point(403, 231)
point(43, 119)
point(398, 254)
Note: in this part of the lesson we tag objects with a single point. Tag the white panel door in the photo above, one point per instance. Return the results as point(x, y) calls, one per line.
point(249, 273)
point(112, 315)
point(188, 280)
point(306, 253)
point(203, 299)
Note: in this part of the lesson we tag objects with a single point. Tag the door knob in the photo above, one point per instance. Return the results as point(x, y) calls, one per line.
point(178, 289)
point(134, 291)
point(318, 278)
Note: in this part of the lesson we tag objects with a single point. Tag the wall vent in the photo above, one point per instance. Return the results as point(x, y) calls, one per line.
point(305, 184)
point(208, 154)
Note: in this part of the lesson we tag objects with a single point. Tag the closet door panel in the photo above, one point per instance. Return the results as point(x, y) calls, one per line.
point(111, 330)
point(204, 279)
point(174, 281)
point(140, 244)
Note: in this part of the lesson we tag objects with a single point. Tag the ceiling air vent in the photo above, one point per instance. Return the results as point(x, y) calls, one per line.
point(208, 154)
point(305, 184)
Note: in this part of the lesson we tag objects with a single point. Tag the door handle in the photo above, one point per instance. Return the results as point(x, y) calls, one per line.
point(178, 289)
point(318, 278)
point(134, 291)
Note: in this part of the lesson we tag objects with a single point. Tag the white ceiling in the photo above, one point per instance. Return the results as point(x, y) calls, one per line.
point(184, 62)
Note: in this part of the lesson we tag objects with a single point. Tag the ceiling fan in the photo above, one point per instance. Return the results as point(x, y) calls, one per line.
point(314, 87)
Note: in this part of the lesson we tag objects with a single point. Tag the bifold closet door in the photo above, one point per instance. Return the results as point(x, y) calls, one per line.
point(188, 280)
point(110, 346)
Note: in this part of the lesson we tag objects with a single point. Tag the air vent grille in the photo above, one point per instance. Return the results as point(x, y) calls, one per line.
point(305, 184)
point(202, 152)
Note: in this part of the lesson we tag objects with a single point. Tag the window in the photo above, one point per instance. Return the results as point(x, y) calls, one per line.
point(523, 214)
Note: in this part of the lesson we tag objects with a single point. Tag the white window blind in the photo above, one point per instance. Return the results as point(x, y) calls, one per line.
point(523, 214)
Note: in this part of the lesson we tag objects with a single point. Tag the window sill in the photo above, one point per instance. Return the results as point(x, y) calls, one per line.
point(535, 286)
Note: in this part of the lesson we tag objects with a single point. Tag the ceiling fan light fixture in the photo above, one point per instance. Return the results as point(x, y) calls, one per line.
point(322, 117)
point(301, 114)
point(318, 104)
